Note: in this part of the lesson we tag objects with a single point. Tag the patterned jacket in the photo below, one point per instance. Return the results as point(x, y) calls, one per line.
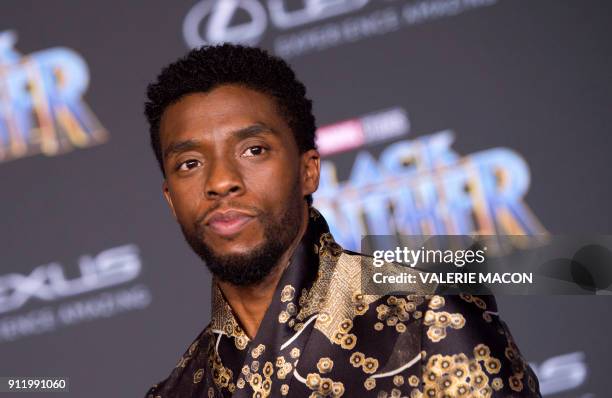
point(325, 336)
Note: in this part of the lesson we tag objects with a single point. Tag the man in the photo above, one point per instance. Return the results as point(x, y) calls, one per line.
point(234, 135)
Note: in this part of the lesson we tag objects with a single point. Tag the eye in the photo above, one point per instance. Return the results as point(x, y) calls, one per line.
point(254, 151)
point(188, 165)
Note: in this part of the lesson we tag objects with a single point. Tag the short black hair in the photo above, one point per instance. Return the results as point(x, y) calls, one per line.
point(206, 68)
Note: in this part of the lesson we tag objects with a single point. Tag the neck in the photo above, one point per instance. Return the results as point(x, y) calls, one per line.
point(250, 303)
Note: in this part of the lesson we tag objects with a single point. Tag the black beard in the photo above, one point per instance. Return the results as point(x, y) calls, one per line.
point(249, 268)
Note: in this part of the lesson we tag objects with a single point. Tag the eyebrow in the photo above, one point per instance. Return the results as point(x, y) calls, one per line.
point(241, 134)
point(255, 129)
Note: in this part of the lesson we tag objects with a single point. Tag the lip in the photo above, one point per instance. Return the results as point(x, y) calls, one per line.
point(228, 222)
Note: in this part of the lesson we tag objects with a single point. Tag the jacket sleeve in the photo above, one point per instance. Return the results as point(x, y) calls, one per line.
point(468, 351)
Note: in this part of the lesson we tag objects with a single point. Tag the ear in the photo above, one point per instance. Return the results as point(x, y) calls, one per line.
point(311, 171)
point(168, 198)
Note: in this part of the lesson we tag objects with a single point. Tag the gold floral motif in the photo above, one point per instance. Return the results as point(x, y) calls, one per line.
point(492, 365)
point(313, 380)
point(337, 389)
point(515, 383)
point(398, 380)
point(413, 381)
point(241, 342)
point(357, 359)
point(268, 369)
point(287, 293)
point(348, 341)
point(283, 317)
point(325, 387)
point(438, 322)
point(325, 365)
point(266, 385)
point(193, 347)
point(460, 370)
point(370, 365)
point(182, 362)
point(479, 379)
point(462, 390)
point(486, 392)
point(198, 375)
point(466, 297)
point(222, 376)
point(531, 383)
point(395, 393)
point(323, 318)
point(256, 381)
point(255, 366)
point(345, 326)
point(313, 213)
point(511, 354)
point(382, 311)
point(459, 376)
point(457, 321)
point(479, 302)
point(361, 309)
point(481, 351)
point(329, 249)
point(287, 367)
point(436, 302)
point(416, 393)
point(392, 321)
point(436, 334)
point(443, 319)
point(257, 351)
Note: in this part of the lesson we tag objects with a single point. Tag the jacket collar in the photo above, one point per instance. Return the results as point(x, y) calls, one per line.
point(307, 274)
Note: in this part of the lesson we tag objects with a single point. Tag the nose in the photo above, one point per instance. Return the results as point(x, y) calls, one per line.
point(223, 179)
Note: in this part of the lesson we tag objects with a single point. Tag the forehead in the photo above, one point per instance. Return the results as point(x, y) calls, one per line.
point(222, 110)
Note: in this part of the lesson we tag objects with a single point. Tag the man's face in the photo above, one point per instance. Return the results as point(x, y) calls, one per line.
point(235, 180)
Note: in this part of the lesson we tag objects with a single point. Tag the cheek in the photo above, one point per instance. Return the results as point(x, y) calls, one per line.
point(185, 200)
point(272, 184)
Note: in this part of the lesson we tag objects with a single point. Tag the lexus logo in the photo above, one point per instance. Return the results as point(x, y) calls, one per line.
point(214, 21)
point(49, 282)
point(209, 21)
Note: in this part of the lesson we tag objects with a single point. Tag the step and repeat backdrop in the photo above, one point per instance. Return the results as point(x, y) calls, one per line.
point(435, 117)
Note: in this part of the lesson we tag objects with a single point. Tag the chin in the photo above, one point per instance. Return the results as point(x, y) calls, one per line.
point(234, 245)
